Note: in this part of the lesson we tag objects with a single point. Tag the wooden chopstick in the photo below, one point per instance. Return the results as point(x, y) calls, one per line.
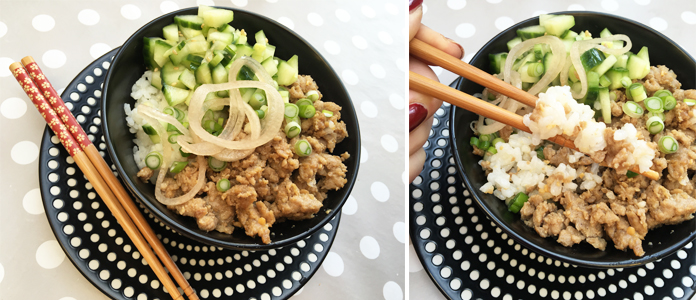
point(424, 85)
point(74, 141)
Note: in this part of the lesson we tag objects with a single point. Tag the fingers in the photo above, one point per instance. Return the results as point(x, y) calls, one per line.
point(429, 104)
point(414, 18)
point(418, 137)
point(439, 41)
point(415, 164)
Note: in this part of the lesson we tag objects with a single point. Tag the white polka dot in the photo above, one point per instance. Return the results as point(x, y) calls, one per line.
point(363, 154)
point(688, 16)
point(43, 23)
point(397, 101)
point(54, 58)
point(49, 255)
point(88, 17)
point(392, 291)
point(32, 202)
point(350, 77)
point(465, 30)
point(350, 207)
point(2, 272)
point(342, 15)
point(24, 152)
point(130, 12)
point(369, 109)
point(610, 5)
point(389, 143)
point(658, 23)
point(385, 37)
point(315, 19)
point(494, 1)
point(5, 63)
point(503, 23)
point(539, 12)
point(287, 22)
point(205, 2)
point(399, 230)
point(70, 298)
point(456, 4)
point(642, 2)
point(380, 191)
point(240, 3)
point(391, 8)
point(3, 29)
point(168, 6)
point(377, 71)
point(333, 264)
point(332, 47)
point(359, 42)
point(369, 247)
point(98, 50)
point(414, 265)
point(13, 108)
point(576, 7)
point(367, 11)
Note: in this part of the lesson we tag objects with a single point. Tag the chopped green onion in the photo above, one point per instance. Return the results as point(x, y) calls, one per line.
point(291, 110)
point(223, 185)
point(626, 82)
point(690, 102)
point(292, 129)
point(655, 125)
point(183, 154)
point(662, 94)
point(172, 128)
point(303, 148)
point(209, 115)
point(540, 153)
point(637, 92)
point(631, 174)
point(153, 160)
point(483, 145)
point(261, 113)
point(492, 150)
point(518, 202)
point(258, 99)
point(491, 96)
point(535, 69)
point(604, 81)
point(178, 166)
point(172, 138)
point(670, 102)
point(668, 144)
point(486, 137)
point(307, 111)
point(659, 114)
point(215, 164)
point(474, 141)
point(327, 113)
point(172, 112)
point(496, 141)
point(653, 104)
point(212, 127)
point(312, 95)
point(303, 101)
point(180, 114)
point(632, 109)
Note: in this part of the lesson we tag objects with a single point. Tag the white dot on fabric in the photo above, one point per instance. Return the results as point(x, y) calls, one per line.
point(43, 23)
point(332, 47)
point(610, 5)
point(539, 12)
point(88, 17)
point(494, 1)
point(168, 6)
point(576, 7)
point(688, 16)
point(315, 19)
point(71, 298)
point(342, 15)
point(503, 22)
point(642, 2)
point(5, 63)
point(3, 29)
point(392, 291)
point(350, 207)
point(359, 42)
point(465, 30)
point(350, 77)
point(369, 247)
point(385, 37)
point(32, 202)
point(369, 109)
point(205, 2)
point(380, 191)
point(13, 108)
point(240, 3)
point(389, 143)
point(98, 50)
point(363, 154)
point(24, 152)
point(130, 12)
point(414, 265)
point(456, 4)
point(658, 23)
point(391, 8)
point(367, 11)
point(397, 101)
point(49, 255)
point(377, 71)
point(286, 22)
point(333, 264)
point(399, 230)
point(54, 58)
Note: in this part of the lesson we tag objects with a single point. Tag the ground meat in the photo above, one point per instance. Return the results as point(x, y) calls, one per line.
point(478, 151)
point(293, 203)
point(145, 174)
point(505, 133)
point(299, 89)
point(668, 207)
point(660, 78)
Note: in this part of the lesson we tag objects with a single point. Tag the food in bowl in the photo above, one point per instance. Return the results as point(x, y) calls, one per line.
point(616, 108)
point(230, 134)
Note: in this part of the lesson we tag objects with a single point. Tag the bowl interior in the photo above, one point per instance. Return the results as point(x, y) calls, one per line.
point(128, 67)
point(658, 242)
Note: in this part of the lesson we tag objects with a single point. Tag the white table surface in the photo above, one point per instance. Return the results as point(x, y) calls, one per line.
point(364, 41)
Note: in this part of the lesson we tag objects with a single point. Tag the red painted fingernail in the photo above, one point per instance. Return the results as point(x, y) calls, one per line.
point(416, 115)
point(413, 4)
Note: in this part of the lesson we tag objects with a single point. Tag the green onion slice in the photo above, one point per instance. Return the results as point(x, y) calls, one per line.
point(223, 185)
point(654, 104)
point(668, 144)
point(659, 114)
point(172, 138)
point(178, 166)
point(303, 148)
point(474, 141)
point(307, 111)
point(492, 150)
point(662, 94)
point(632, 109)
point(292, 129)
point(496, 141)
point(327, 113)
point(312, 95)
point(291, 110)
point(631, 174)
point(303, 101)
point(172, 112)
point(215, 164)
point(655, 125)
point(690, 102)
point(518, 202)
point(261, 113)
point(670, 102)
point(153, 160)
point(183, 154)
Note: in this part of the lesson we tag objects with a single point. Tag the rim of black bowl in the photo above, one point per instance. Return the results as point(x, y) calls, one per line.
point(629, 261)
point(277, 241)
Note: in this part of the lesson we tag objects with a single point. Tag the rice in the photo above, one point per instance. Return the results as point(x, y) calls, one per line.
point(642, 154)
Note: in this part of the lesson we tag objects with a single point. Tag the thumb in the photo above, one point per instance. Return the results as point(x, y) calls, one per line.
point(414, 17)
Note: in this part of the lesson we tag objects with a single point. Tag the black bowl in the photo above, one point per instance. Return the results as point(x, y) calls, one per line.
point(128, 66)
point(659, 242)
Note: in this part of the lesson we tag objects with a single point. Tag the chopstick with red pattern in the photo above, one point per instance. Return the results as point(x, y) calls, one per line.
point(74, 139)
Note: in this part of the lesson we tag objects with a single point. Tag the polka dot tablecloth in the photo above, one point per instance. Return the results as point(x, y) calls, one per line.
point(473, 23)
point(364, 41)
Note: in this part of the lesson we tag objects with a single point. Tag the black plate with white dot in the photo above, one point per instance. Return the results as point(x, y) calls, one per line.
point(99, 248)
point(468, 257)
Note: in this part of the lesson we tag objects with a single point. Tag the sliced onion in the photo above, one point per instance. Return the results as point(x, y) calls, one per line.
point(565, 70)
point(579, 47)
point(162, 117)
point(582, 76)
point(200, 181)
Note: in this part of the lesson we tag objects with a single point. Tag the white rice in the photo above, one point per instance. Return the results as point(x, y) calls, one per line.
point(642, 154)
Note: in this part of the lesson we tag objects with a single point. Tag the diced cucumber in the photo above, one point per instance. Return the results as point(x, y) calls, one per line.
point(618, 44)
point(592, 58)
point(497, 62)
point(189, 21)
point(197, 46)
point(225, 37)
point(270, 51)
point(615, 75)
point(547, 60)
point(178, 55)
point(513, 42)
point(245, 74)
point(636, 67)
point(246, 94)
point(260, 45)
point(621, 61)
point(604, 81)
point(217, 58)
point(194, 61)
point(605, 104)
point(543, 18)
point(203, 8)
point(171, 73)
point(558, 24)
point(203, 75)
point(240, 37)
point(175, 95)
point(217, 45)
point(568, 44)
point(188, 79)
point(287, 74)
point(643, 54)
point(569, 35)
point(156, 80)
point(190, 32)
point(149, 53)
point(285, 95)
point(231, 50)
point(171, 32)
point(607, 64)
point(573, 74)
point(220, 74)
point(270, 65)
point(524, 74)
point(152, 133)
point(592, 79)
point(161, 47)
point(527, 58)
point(243, 50)
point(538, 52)
point(605, 33)
point(531, 32)
point(226, 28)
point(215, 17)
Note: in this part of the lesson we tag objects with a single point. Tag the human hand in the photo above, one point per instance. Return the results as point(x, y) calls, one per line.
point(421, 107)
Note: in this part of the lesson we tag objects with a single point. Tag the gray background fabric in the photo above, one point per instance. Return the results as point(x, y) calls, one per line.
point(364, 41)
point(473, 23)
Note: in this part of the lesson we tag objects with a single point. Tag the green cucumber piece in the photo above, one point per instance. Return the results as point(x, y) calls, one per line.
point(224, 37)
point(220, 74)
point(171, 32)
point(175, 95)
point(531, 32)
point(203, 8)
point(592, 79)
point(226, 28)
point(636, 67)
point(171, 73)
point(270, 65)
point(605, 104)
point(615, 75)
point(189, 21)
point(215, 17)
point(621, 61)
point(203, 75)
point(604, 81)
point(497, 62)
point(179, 53)
point(573, 74)
point(547, 60)
point(190, 32)
point(288, 71)
point(160, 48)
point(243, 50)
point(217, 58)
point(149, 53)
point(543, 18)
point(152, 133)
point(156, 80)
point(569, 35)
point(592, 58)
point(643, 54)
point(197, 46)
point(513, 42)
point(607, 64)
point(605, 33)
point(269, 52)
point(188, 79)
point(558, 24)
